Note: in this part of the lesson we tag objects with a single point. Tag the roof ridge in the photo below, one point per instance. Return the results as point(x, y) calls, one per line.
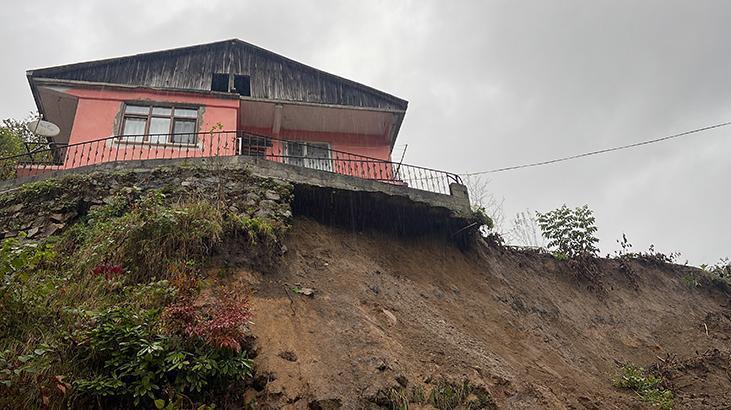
point(92, 63)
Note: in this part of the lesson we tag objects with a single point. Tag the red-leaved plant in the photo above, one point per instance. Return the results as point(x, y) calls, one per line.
point(221, 323)
point(108, 270)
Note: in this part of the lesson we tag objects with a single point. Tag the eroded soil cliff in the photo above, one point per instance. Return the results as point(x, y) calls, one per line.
point(392, 314)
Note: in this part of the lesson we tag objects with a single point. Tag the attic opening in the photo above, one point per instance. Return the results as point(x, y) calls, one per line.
point(242, 85)
point(222, 82)
point(219, 82)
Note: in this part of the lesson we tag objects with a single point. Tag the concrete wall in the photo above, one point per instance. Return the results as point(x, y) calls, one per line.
point(456, 205)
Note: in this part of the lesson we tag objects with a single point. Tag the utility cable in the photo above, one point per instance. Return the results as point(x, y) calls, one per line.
point(601, 151)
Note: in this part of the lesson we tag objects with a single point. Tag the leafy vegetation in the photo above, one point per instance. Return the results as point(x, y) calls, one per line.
point(720, 270)
point(691, 280)
point(131, 360)
point(443, 395)
point(257, 229)
point(217, 324)
point(104, 316)
point(652, 255)
point(647, 386)
point(446, 395)
point(571, 232)
point(14, 138)
point(484, 222)
point(148, 236)
point(10, 144)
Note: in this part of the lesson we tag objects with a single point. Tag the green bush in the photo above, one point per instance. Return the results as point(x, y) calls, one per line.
point(11, 144)
point(720, 270)
point(257, 229)
point(446, 395)
point(132, 360)
point(570, 232)
point(480, 214)
point(13, 138)
point(22, 293)
point(443, 395)
point(648, 387)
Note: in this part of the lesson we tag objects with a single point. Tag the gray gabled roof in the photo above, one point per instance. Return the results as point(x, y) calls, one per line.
point(272, 76)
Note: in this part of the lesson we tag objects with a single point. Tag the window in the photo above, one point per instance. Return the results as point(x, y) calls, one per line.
point(159, 124)
point(219, 82)
point(241, 83)
point(253, 145)
point(309, 155)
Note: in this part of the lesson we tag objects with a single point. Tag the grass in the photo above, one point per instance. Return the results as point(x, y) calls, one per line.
point(448, 395)
point(150, 236)
point(442, 395)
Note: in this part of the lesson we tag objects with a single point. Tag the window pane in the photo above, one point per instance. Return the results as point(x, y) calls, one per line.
point(134, 126)
point(137, 109)
point(318, 151)
point(166, 111)
point(318, 157)
point(184, 132)
point(159, 126)
point(186, 113)
point(295, 152)
point(295, 149)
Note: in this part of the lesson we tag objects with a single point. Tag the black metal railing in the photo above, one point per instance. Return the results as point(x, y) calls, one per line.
point(48, 157)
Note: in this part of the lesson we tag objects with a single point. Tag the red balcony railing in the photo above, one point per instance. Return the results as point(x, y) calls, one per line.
point(42, 158)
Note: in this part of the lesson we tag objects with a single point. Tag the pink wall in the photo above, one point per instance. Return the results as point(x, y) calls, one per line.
point(99, 116)
point(367, 145)
point(360, 146)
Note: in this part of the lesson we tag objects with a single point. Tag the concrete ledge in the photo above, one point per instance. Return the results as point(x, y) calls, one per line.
point(457, 204)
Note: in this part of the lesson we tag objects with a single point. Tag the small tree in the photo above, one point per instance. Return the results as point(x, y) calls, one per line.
point(570, 231)
point(14, 135)
point(11, 144)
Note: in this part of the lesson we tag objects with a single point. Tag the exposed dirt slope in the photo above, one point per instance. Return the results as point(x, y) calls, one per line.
point(519, 324)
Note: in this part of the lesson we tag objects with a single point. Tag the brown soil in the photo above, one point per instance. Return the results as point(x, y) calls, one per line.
point(389, 311)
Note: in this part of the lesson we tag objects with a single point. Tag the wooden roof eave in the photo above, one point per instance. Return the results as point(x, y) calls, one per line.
point(34, 91)
point(57, 69)
point(93, 84)
point(35, 82)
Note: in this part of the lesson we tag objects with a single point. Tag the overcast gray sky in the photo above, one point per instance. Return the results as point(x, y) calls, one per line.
point(489, 84)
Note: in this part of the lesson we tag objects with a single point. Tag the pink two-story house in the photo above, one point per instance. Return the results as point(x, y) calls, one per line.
point(223, 98)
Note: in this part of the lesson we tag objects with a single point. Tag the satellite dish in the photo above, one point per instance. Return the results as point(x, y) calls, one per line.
point(43, 128)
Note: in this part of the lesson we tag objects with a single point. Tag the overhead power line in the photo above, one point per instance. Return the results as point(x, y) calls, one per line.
point(601, 151)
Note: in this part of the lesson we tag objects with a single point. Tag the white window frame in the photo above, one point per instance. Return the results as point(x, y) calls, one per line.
point(323, 164)
point(146, 137)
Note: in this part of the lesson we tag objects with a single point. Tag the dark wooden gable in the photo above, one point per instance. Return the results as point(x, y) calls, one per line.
point(271, 75)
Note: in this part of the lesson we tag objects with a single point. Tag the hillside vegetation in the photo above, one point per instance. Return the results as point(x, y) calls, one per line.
point(105, 310)
point(192, 288)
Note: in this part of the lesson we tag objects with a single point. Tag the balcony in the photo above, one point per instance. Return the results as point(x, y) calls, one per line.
point(43, 158)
